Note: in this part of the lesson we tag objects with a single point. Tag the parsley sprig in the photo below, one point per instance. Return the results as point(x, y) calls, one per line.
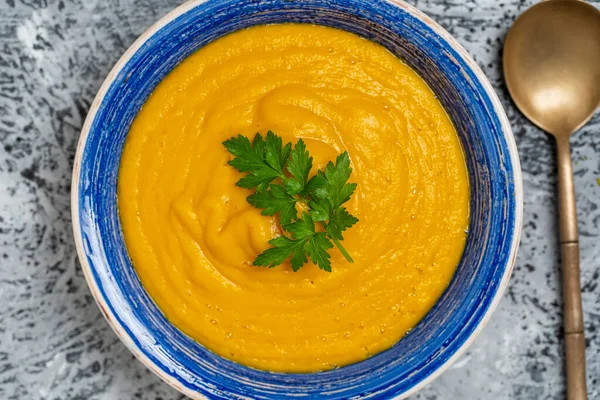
point(281, 176)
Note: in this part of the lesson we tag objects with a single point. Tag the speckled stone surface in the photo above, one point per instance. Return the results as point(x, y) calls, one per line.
point(54, 343)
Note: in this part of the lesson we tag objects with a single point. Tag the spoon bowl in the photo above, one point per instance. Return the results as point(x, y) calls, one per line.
point(552, 64)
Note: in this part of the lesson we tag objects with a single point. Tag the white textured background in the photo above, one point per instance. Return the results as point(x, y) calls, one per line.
point(54, 344)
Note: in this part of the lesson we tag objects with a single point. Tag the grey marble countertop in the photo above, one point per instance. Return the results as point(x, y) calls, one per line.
point(54, 343)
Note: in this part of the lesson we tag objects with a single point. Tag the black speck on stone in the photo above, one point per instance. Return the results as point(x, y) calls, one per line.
point(530, 267)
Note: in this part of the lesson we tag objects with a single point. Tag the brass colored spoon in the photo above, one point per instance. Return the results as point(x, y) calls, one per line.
point(552, 69)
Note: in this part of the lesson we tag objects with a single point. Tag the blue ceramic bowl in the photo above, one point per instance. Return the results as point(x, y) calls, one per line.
point(446, 331)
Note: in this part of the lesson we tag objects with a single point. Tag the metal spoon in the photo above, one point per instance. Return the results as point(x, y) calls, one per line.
point(552, 69)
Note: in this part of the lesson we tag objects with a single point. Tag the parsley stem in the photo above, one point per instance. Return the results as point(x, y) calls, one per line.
point(342, 250)
point(338, 245)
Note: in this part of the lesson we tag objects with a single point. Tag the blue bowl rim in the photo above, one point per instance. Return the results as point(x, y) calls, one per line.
point(190, 5)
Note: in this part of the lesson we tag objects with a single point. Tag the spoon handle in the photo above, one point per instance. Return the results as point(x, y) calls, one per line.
point(569, 239)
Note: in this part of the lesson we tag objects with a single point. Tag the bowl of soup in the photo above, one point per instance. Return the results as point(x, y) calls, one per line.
point(167, 239)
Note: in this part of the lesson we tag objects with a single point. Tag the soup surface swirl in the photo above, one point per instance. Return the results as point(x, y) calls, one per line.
point(192, 236)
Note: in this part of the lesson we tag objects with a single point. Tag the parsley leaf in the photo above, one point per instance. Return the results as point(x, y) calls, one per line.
point(249, 157)
point(305, 241)
point(320, 209)
point(302, 228)
point(335, 188)
point(263, 159)
point(299, 166)
point(339, 221)
point(280, 176)
point(259, 178)
point(276, 155)
point(283, 248)
point(316, 248)
point(314, 183)
point(275, 199)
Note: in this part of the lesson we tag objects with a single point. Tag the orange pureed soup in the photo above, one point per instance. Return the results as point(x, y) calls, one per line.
point(192, 236)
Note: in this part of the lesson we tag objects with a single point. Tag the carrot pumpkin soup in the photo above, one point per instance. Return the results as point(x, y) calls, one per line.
point(319, 241)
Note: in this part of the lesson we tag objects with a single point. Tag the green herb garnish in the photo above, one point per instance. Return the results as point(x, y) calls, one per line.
point(280, 176)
